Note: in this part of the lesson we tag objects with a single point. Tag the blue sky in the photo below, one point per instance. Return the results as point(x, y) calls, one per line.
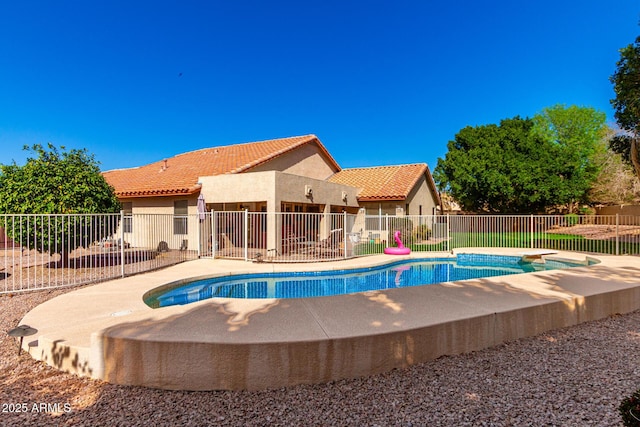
point(379, 82)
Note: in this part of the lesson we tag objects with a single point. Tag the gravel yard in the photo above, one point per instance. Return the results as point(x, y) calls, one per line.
point(571, 377)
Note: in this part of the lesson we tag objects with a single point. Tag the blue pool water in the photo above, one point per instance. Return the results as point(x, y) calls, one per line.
point(414, 272)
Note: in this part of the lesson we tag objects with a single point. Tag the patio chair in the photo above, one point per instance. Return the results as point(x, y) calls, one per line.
point(297, 245)
point(289, 243)
point(224, 246)
point(330, 247)
point(225, 241)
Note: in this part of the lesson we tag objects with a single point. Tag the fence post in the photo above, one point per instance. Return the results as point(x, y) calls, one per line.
point(344, 232)
point(617, 234)
point(246, 234)
point(532, 231)
point(447, 237)
point(122, 243)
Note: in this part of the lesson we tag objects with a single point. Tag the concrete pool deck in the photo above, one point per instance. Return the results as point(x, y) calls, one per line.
point(107, 332)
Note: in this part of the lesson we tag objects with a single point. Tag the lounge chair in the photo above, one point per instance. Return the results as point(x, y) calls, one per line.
point(163, 246)
point(330, 247)
point(294, 244)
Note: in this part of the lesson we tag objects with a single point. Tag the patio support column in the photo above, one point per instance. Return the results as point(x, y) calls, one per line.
point(325, 222)
point(273, 226)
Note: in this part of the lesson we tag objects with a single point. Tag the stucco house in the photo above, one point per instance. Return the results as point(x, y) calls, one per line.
point(275, 175)
point(295, 174)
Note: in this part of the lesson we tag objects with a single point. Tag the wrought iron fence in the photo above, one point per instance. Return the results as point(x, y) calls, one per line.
point(614, 234)
point(305, 237)
point(279, 236)
point(45, 251)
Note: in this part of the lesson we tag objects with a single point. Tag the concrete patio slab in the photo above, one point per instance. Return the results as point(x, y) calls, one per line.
point(106, 331)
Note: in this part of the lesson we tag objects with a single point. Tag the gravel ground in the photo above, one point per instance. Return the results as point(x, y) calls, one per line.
point(570, 377)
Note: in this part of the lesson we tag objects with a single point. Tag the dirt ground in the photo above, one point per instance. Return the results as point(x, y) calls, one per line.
point(627, 233)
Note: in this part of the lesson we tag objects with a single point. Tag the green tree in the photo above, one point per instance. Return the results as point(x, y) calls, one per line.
point(501, 168)
point(524, 165)
point(626, 85)
point(55, 182)
point(576, 133)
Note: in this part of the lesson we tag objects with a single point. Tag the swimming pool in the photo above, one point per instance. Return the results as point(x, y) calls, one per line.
point(412, 272)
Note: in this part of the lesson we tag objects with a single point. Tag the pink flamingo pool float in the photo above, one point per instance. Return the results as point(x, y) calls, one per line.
point(400, 250)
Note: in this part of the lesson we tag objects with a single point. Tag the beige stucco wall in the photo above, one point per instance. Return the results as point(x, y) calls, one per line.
point(291, 188)
point(161, 205)
point(421, 196)
point(306, 160)
point(619, 209)
point(274, 188)
point(239, 188)
point(153, 223)
point(383, 208)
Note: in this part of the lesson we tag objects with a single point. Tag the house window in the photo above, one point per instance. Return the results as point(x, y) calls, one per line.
point(180, 210)
point(127, 220)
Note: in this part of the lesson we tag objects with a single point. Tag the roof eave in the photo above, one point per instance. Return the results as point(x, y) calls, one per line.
point(169, 192)
point(382, 198)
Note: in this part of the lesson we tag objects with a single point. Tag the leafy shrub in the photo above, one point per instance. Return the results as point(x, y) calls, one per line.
point(422, 232)
point(630, 410)
point(587, 210)
point(571, 219)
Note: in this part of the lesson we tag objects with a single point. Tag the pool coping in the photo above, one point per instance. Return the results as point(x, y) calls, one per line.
point(105, 331)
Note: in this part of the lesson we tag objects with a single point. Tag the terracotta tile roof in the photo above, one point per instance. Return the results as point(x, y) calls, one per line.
point(384, 182)
point(178, 175)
